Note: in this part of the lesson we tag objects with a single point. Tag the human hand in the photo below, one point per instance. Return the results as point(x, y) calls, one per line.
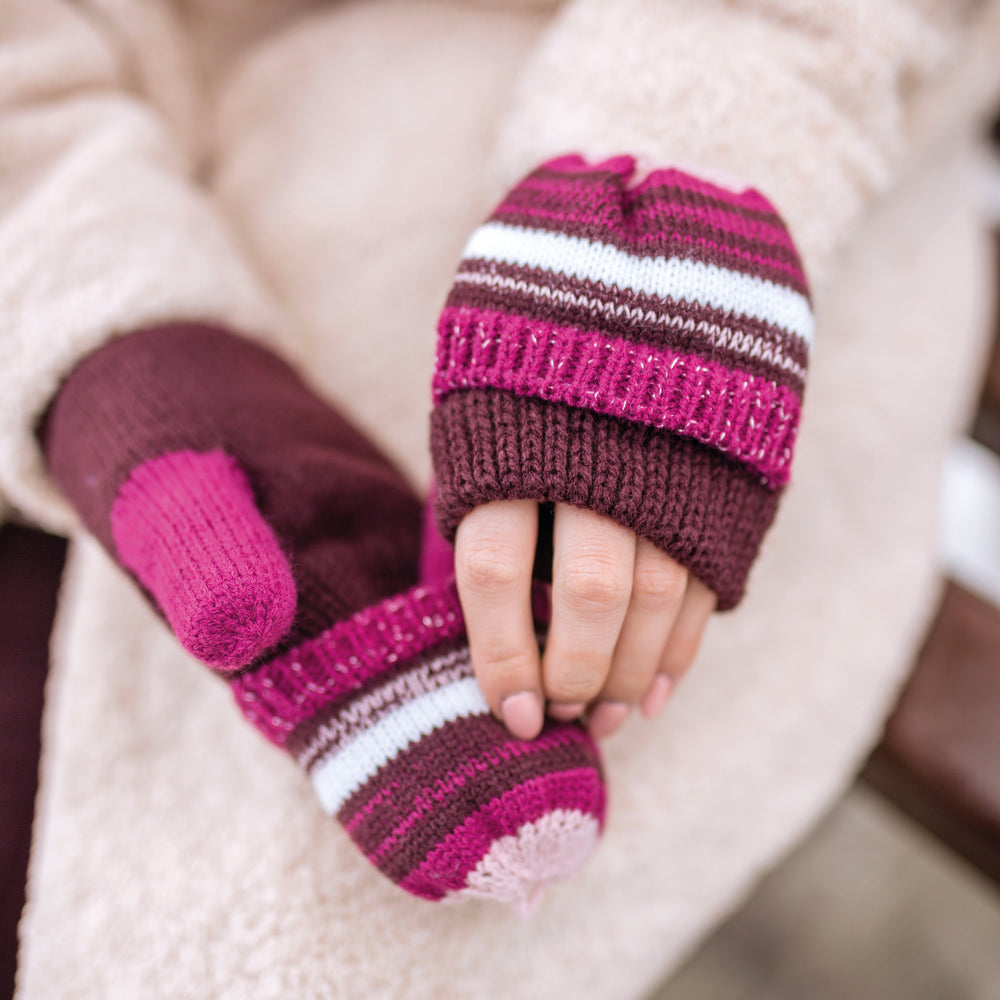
point(627, 619)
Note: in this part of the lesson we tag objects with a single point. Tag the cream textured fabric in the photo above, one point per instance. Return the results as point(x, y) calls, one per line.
point(348, 158)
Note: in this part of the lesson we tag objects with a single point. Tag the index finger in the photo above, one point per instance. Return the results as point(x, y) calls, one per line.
point(494, 557)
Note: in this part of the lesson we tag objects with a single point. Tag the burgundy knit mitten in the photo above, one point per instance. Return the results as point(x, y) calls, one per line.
point(638, 350)
point(284, 550)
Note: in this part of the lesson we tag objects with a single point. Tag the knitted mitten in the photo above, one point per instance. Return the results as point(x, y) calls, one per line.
point(639, 350)
point(283, 550)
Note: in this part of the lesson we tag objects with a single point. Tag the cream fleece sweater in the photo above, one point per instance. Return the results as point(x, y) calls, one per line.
point(105, 123)
point(160, 160)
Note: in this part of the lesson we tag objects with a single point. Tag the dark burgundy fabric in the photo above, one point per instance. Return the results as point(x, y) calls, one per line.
point(30, 568)
point(703, 509)
point(346, 518)
point(482, 772)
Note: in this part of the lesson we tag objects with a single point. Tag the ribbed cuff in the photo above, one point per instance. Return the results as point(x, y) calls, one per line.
point(300, 684)
point(700, 507)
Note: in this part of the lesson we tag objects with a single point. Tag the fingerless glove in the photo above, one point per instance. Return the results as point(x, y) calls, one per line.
point(636, 349)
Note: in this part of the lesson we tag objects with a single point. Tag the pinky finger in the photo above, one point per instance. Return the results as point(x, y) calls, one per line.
point(682, 646)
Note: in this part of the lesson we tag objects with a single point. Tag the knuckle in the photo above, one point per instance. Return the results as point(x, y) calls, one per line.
point(488, 563)
point(574, 674)
point(578, 685)
point(659, 584)
point(501, 667)
point(596, 583)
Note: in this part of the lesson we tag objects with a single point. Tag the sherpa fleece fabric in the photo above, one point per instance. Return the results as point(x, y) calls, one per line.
point(216, 160)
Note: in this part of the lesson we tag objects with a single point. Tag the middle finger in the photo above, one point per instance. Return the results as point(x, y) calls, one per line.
point(593, 560)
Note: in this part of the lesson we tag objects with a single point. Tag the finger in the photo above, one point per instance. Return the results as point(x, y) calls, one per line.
point(494, 554)
point(685, 638)
point(658, 586)
point(593, 563)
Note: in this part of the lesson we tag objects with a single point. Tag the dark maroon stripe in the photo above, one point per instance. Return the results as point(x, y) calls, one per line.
point(303, 734)
point(420, 768)
point(649, 215)
point(610, 180)
point(433, 826)
point(464, 801)
point(613, 183)
point(526, 304)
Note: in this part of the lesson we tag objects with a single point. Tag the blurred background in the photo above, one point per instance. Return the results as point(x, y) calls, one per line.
point(896, 896)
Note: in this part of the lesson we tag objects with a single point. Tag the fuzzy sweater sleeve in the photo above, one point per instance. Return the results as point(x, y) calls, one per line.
point(819, 104)
point(640, 346)
point(102, 227)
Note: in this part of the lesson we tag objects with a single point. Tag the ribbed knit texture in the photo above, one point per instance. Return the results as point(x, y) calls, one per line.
point(283, 549)
point(694, 503)
point(186, 524)
point(384, 713)
point(640, 350)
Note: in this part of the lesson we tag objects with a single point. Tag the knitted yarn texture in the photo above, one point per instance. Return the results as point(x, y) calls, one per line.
point(283, 549)
point(638, 350)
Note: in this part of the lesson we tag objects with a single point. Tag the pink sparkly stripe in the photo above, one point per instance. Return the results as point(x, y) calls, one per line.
point(286, 691)
point(456, 779)
point(447, 867)
point(749, 199)
point(659, 213)
point(627, 240)
point(749, 418)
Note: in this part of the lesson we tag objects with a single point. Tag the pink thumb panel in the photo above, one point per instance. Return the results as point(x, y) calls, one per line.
point(186, 524)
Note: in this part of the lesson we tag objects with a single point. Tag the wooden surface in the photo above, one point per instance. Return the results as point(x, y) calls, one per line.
point(986, 429)
point(940, 758)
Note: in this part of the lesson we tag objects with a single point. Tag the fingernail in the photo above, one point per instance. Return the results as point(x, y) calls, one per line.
point(566, 711)
point(606, 719)
point(656, 697)
point(522, 714)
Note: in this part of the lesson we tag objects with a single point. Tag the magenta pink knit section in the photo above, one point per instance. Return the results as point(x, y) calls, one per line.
point(437, 557)
point(745, 416)
point(186, 525)
point(286, 691)
point(297, 685)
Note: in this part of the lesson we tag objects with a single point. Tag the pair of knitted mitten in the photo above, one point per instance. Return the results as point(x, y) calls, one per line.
point(284, 550)
point(638, 349)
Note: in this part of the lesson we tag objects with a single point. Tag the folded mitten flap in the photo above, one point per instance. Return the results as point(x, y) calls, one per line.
point(639, 349)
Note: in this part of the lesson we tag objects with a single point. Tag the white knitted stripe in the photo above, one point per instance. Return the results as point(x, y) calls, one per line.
point(665, 277)
point(365, 710)
point(738, 341)
point(337, 777)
